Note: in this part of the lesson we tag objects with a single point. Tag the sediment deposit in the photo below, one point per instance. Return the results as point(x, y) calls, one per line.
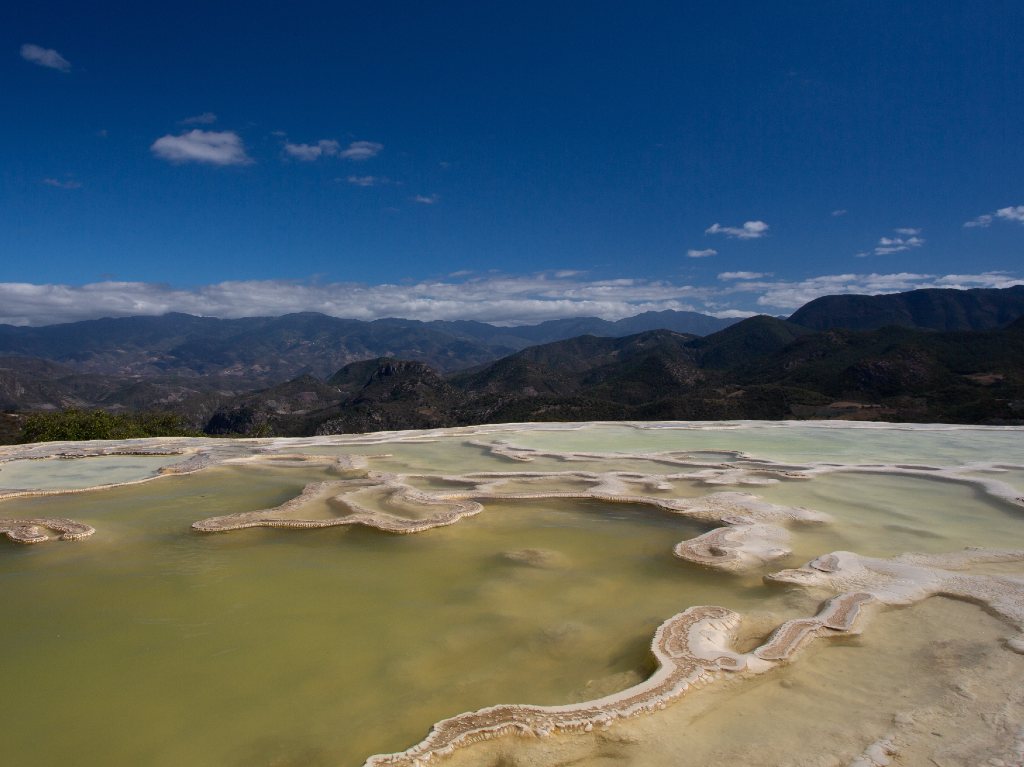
point(742, 536)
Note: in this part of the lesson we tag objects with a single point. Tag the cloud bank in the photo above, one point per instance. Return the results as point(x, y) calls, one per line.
point(45, 57)
point(501, 299)
point(210, 147)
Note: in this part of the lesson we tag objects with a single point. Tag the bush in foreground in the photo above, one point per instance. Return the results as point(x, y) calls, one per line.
point(66, 425)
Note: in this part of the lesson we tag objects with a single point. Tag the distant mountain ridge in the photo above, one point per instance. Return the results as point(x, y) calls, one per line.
point(269, 349)
point(266, 375)
point(930, 308)
point(761, 367)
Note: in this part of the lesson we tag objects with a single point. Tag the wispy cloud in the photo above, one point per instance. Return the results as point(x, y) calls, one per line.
point(426, 199)
point(729, 276)
point(361, 150)
point(499, 298)
point(45, 57)
point(211, 147)
point(65, 184)
point(1011, 213)
point(206, 118)
point(751, 230)
point(309, 152)
point(908, 238)
point(692, 253)
point(838, 212)
point(328, 147)
point(366, 180)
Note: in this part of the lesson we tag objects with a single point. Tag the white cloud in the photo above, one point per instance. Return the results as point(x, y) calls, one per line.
point(309, 152)
point(425, 199)
point(908, 239)
point(839, 212)
point(66, 184)
point(45, 57)
point(734, 314)
point(691, 253)
point(206, 118)
point(728, 276)
point(213, 147)
point(982, 221)
point(361, 150)
point(1011, 213)
point(366, 180)
point(498, 298)
point(751, 230)
point(789, 295)
point(326, 147)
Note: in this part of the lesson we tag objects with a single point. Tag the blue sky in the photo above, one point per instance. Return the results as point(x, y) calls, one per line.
point(504, 161)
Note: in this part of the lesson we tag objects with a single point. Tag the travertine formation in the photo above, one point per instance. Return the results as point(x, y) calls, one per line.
point(741, 546)
point(689, 648)
point(910, 578)
point(351, 512)
point(752, 535)
point(34, 530)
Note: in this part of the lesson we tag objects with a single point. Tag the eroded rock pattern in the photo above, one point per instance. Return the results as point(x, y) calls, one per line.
point(911, 577)
point(35, 530)
point(693, 647)
point(689, 648)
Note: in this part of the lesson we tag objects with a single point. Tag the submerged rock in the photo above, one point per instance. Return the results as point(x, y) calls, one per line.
point(546, 559)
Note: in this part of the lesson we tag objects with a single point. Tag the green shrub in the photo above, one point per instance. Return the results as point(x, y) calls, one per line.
point(66, 425)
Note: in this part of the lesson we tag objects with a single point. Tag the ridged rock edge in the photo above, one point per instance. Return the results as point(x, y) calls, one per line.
point(690, 648)
point(35, 530)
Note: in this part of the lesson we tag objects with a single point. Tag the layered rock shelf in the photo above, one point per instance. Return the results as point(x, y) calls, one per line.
point(35, 530)
point(743, 535)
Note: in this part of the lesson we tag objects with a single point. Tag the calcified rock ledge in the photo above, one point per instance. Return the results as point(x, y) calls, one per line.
point(694, 645)
point(753, 535)
point(910, 578)
point(689, 648)
point(35, 530)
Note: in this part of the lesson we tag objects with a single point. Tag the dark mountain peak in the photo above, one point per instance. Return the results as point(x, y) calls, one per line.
point(692, 323)
point(357, 375)
point(749, 338)
point(927, 308)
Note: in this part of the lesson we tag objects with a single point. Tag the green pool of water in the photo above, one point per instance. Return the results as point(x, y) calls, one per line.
point(156, 645)
point(76, 473)
point(153, 644)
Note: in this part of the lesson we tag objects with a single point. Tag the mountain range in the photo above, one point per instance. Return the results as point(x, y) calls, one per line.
point(761, 367)
point(255, 350)
point(944, 355)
